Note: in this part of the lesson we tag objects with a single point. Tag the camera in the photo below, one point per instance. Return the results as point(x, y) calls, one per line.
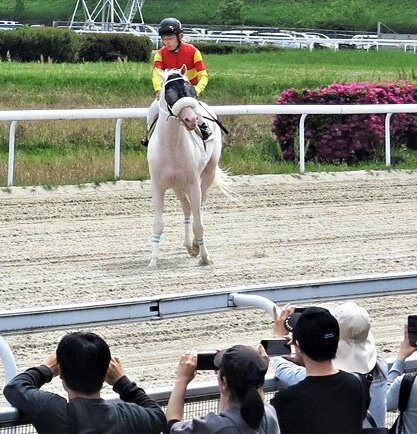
point(276, 347)
point(292, 319)
point(412, 329)
point(205, 361)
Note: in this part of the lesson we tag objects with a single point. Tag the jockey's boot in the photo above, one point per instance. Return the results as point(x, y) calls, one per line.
point(145, 141)
point(205, 131)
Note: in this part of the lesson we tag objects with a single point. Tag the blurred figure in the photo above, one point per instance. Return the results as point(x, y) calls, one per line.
point(327, 400)
point(356, 352)
point(395, 376)
point(240, 377)
point(83, 362)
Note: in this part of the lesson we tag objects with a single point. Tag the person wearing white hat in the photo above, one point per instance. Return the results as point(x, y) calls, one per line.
point(356, 352)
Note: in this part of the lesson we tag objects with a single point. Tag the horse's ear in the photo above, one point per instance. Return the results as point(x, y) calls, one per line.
point(183, 69)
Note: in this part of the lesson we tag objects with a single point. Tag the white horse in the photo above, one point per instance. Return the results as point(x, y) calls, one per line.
point(179, 159)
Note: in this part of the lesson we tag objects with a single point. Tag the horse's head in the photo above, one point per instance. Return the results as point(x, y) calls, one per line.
point(179, 94)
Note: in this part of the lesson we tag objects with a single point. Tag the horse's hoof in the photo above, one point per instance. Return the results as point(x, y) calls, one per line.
point(194, 250)
point(206, 261)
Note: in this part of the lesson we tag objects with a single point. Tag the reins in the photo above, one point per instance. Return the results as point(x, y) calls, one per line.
point(213, 119)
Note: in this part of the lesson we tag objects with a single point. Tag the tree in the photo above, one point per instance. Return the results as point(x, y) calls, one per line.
point(19, 9)
point(231, 11)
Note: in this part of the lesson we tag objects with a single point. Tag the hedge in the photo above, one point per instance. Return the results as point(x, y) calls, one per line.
point(351, 138)
point(28, 44)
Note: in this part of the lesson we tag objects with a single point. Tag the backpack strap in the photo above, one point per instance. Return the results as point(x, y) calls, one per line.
point(405, 389)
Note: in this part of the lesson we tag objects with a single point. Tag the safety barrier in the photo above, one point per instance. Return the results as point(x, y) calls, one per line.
point(94, 314)
point(14, 116)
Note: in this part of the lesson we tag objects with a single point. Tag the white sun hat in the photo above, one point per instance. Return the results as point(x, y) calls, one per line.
point(356, 351)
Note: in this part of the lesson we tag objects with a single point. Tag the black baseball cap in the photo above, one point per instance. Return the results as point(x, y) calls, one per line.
point(242, 364)
point(316, 328)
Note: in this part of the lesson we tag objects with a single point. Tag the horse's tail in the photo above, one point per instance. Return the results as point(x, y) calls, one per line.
point(224, 183)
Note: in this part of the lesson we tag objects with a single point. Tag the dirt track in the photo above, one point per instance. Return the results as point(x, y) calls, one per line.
point(84, 244)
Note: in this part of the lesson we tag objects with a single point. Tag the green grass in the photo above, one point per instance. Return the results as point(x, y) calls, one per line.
point(336, 14)
point(61, 152)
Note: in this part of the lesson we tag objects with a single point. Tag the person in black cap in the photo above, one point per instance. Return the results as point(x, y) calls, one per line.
point(327, 401)
point(241, 374)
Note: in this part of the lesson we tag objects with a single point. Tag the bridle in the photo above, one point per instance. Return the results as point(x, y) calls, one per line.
point(170, 112)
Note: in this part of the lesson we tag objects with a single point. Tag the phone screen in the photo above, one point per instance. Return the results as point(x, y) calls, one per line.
point(276, 347)
point(412, 329)
point(205, 361)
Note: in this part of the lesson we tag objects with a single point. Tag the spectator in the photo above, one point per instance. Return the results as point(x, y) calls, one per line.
point(83, 362)
point(241, 376)
point(356, 352)
point(395, 376)
point(330, 401)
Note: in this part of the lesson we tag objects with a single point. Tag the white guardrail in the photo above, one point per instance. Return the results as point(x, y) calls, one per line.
point(119, 114)
point(308, 42)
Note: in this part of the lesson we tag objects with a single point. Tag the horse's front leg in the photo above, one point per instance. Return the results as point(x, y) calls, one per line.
point(186, 208)
point(198, 229)
point(158, 223)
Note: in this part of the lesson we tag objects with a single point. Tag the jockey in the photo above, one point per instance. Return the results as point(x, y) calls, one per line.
point(173, 54)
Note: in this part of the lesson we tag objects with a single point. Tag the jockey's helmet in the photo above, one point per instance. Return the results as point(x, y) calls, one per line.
point(169, 26)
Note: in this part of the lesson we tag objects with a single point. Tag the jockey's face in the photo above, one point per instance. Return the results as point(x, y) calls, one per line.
point(171, 41)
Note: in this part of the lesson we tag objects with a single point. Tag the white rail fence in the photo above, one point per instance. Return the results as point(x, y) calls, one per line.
point(15, 116)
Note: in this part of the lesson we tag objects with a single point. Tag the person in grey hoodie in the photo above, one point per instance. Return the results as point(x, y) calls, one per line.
point(395, 376)
point(83, 361)
point(241, 375)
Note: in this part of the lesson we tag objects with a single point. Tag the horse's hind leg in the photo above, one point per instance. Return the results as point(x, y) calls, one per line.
point(158, 223)
point(186, 208)
point(209, 172)
point(195, 201)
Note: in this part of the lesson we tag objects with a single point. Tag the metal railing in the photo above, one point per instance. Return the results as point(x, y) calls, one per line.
point(95, 314)
point(15, 116)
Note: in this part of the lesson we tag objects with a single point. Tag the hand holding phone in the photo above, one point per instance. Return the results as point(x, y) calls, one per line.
point(412, 330)
point(276, 347)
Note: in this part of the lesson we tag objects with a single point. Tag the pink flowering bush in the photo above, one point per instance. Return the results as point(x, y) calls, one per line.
point(335, 138)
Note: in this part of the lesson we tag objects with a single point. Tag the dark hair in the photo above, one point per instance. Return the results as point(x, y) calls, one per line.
point(317, 333)
point(244, 370)
point(83, 360)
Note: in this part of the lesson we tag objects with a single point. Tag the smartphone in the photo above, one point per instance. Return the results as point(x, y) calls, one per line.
point(205, 361)
point(276, 347)
point(412, 329)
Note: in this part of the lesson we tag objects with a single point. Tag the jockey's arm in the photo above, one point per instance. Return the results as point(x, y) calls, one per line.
point(202, 77)
point(156, 80)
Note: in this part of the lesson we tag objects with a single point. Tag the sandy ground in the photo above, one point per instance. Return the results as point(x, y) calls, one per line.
point(77, 244)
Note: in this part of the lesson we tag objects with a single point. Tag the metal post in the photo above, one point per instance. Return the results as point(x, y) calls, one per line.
point(10, 169)
point(388, 139)
point(117, 136)
point(301, 148)
point(256, 301)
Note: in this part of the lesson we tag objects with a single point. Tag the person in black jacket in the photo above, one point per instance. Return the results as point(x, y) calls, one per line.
point(328, 400)
point(84, 362)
